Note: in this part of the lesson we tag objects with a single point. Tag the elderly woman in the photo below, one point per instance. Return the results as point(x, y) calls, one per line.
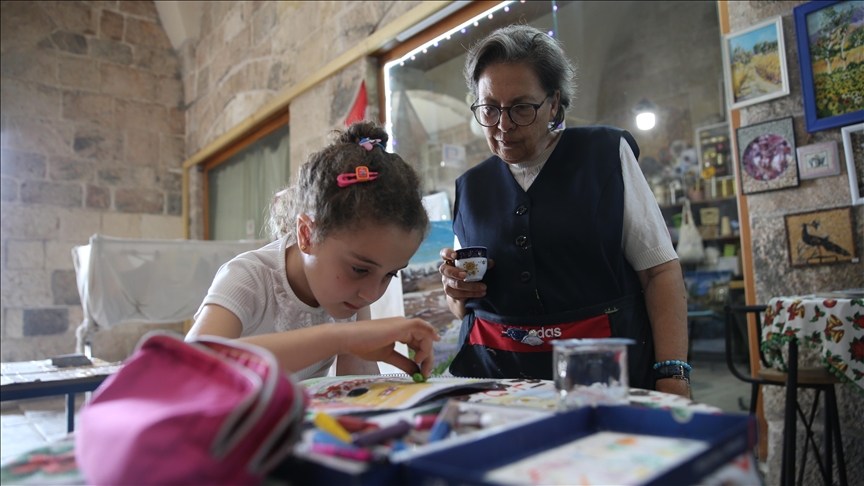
point(579, 245)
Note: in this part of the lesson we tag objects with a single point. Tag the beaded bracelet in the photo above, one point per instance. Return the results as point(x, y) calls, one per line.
point(668, 362)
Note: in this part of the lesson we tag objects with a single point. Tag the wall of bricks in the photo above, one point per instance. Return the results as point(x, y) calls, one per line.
point(647, 61)
point(93, 133)
point(247, 52)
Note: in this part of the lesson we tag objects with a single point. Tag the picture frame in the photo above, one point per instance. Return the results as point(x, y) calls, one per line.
point(754, 64)
point(853, 149)
point(766, 156)
point(827, 69)
point(714, 149)
point(818, 160)
point(821, 237)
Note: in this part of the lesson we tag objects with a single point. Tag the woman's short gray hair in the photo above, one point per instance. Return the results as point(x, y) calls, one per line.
point(526, 44)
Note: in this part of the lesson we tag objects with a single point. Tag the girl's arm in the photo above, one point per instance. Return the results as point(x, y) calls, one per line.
point(348, 364)
point(301, 348)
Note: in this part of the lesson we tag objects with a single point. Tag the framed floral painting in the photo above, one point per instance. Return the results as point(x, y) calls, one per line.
point(766, 156)
point(830, 38)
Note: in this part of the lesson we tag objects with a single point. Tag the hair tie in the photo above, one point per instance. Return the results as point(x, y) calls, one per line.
point(360, 174)
point(369, 143)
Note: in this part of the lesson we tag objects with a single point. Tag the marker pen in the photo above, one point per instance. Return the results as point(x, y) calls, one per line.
point(439, 431)
point(424, 422)
point(354, 424)
point(347, 452)
point(398, 429)
point(330, 425)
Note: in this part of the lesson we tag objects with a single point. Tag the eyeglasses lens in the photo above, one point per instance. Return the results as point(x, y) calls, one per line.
point(521, 114)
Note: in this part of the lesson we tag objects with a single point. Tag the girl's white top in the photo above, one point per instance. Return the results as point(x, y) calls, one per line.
point(254, 286)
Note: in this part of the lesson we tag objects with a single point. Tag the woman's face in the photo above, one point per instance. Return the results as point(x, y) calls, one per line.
point(504, 85)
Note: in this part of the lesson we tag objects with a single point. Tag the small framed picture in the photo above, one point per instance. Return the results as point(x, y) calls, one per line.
point(766, 156)
point(713, 146)
point(819, 237)
point(754, 64)
point(829, 36)
point(853, 149)
point(818, 160)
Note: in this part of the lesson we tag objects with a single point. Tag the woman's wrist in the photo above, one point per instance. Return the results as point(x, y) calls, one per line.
point(671, 368)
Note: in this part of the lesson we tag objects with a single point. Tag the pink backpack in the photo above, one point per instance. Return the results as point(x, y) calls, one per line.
point(214, 411)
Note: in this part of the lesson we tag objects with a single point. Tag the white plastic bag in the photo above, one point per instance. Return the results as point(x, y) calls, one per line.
point(690, 248)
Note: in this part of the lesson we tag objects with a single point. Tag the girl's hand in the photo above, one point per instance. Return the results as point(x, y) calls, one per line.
point(374, 341)
point(453, 279)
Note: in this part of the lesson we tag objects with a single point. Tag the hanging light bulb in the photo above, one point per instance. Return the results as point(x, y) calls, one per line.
point(645, 117)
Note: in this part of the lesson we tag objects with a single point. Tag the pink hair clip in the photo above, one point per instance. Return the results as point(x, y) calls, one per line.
point(369, 143)
point(361, 174)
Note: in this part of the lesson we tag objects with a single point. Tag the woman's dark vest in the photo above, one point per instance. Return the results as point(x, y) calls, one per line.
point(557, 258)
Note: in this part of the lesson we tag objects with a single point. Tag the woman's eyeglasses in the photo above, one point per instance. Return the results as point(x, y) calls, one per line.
point(521, 114)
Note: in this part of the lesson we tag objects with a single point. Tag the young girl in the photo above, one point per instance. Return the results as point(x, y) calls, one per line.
point(352, 220)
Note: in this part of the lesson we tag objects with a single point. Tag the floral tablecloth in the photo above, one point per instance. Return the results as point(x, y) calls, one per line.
point(833, 327)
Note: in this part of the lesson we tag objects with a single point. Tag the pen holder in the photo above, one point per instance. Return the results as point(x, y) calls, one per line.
point(590, 372)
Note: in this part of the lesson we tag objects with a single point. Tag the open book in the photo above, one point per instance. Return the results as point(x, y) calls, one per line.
point(366, 393)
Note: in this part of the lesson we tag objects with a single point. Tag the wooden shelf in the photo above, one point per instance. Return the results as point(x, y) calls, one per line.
point(699, 203)
point(716, 238)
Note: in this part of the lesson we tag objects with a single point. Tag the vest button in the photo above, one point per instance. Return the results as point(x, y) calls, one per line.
point(521, 210)
point(521, 240)
point(525, 277)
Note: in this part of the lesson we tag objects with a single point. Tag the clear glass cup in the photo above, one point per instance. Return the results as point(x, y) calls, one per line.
point(590, 372)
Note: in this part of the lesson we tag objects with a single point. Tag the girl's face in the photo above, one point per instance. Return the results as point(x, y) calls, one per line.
point(349, 270)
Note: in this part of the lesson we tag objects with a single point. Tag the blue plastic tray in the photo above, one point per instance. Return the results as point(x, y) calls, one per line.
point(728, 436)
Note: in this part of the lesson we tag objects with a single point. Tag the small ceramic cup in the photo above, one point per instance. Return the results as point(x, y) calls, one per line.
point(472, 260)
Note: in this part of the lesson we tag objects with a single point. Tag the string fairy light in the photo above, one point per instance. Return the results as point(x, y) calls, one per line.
point(423, 49)
point(411, 56)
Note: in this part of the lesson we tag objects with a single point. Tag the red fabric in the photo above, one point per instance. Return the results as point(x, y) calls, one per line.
point(358, 111)
point(490, 334)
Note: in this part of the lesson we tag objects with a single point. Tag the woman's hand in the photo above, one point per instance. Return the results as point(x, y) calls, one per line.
point(374, 341)
point(455, 286)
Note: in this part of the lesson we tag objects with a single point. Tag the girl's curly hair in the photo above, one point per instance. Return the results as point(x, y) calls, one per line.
point(392, 198)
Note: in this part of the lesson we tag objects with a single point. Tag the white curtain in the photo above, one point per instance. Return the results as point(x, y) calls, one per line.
point(242, 188)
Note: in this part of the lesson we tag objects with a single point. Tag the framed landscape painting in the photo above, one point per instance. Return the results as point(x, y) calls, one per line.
point(830, 38)
point(754, 64)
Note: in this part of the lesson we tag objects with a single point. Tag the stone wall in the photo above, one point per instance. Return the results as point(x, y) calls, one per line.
point(773, 274)
point(249, 51)
point(669, 54)
point(92, 141)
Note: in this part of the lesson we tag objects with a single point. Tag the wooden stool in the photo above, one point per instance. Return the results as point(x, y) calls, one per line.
point(820, 379)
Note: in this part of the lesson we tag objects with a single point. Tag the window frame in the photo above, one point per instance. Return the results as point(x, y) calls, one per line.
point(266, 127)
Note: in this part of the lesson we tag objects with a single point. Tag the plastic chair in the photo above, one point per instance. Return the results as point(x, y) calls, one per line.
point(819, 379)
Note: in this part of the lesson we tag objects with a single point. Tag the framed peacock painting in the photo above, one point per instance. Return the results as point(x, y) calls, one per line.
point(820, 237)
